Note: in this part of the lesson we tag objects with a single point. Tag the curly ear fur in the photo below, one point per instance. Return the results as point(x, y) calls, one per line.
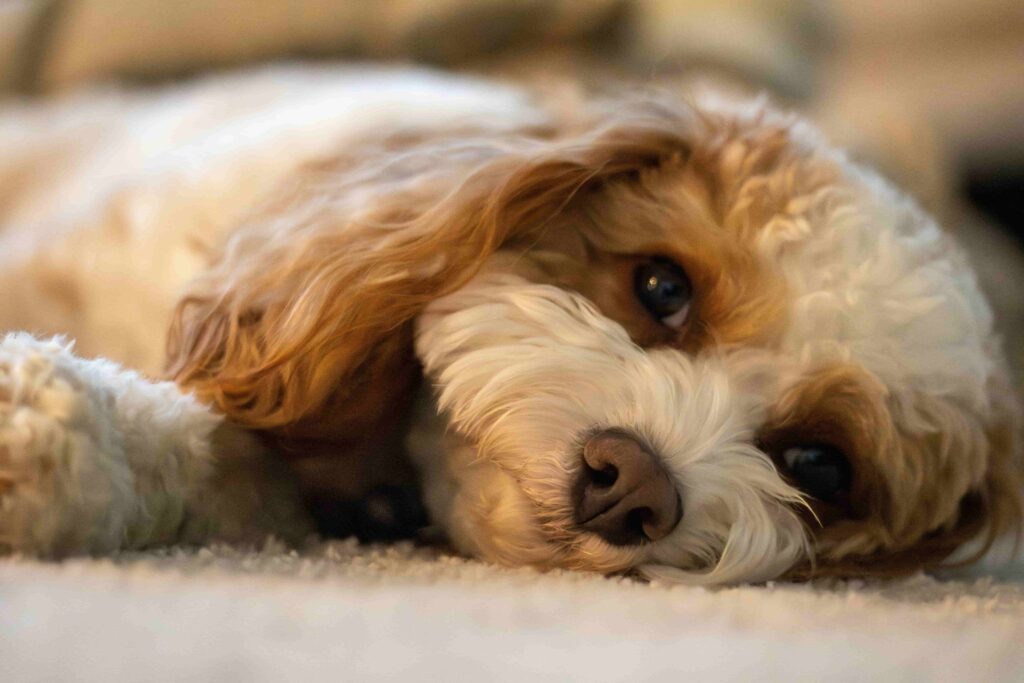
point(301, 325)
point(986, 513)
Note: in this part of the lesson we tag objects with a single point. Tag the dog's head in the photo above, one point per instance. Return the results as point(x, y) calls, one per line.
point(687, 337)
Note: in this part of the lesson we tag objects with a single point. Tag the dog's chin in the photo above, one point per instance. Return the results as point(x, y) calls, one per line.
point(522, 372)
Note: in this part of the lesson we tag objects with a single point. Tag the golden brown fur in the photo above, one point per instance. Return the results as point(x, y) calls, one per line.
point(302, 324)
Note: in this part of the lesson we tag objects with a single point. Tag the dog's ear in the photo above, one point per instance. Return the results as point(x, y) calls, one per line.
point(304, 317)
point(993, 509)
point(988, 511)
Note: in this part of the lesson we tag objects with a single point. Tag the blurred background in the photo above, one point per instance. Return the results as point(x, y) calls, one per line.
point(931, 92)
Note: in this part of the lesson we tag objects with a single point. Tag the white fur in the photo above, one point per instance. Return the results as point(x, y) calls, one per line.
point(95, 459)
point(525, 370)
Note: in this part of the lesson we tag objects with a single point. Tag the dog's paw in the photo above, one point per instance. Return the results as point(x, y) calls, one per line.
point(64, 483)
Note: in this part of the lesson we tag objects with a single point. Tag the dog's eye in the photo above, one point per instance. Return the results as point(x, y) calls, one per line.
point(822, 472)
point(662, 287)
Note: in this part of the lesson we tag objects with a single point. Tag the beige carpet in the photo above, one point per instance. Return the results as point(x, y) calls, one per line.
point(340, 612)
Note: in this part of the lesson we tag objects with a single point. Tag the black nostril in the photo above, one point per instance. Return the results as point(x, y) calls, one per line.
point(623, 494)
point(636, 519)
point(603, 477)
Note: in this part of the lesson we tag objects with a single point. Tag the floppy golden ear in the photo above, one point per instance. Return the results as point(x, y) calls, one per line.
point(303, 322)
point(983, 518)
point(988, 510)
point(998, 505)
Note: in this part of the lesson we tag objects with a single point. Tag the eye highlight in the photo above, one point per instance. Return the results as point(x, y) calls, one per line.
point(821, 471)
point(663, 288)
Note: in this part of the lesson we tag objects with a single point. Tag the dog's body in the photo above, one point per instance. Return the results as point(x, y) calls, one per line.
point(655, 331)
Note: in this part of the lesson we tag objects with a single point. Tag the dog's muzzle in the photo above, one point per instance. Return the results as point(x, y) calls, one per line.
point(623, 493)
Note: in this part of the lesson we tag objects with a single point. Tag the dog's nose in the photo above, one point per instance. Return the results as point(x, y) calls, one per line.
point(624, 495)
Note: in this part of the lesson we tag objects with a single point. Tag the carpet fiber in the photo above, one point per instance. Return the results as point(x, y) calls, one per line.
point(338, 611)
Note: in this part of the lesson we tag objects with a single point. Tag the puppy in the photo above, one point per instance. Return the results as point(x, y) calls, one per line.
point(676, 334)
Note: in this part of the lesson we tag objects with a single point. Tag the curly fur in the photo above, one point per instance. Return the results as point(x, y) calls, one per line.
point(94, 458)
point(456, 230)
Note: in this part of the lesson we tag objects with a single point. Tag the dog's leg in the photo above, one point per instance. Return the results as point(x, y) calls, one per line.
point(94, 458)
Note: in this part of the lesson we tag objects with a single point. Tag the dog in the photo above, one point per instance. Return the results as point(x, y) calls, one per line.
point(674, 334)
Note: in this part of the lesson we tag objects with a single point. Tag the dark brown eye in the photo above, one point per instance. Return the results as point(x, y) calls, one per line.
point(820, 471)
point(662, 287)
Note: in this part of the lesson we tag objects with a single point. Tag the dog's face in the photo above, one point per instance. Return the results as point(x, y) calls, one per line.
point(691, 339)
point(715, 369)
